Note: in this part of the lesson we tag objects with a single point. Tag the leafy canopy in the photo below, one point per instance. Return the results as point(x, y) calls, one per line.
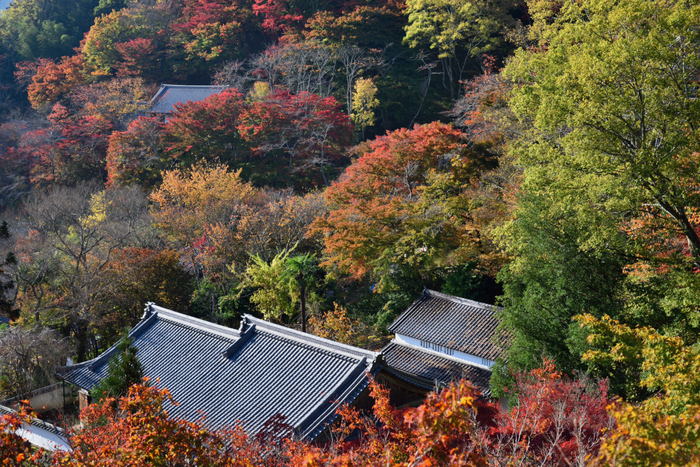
point(404, 204)
point(611, 157)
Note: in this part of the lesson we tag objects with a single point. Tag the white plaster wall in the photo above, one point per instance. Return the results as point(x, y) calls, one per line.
point(468, 358)
point(48, 398)
point(49, 401)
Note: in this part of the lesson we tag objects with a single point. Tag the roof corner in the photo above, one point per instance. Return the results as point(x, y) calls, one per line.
point(148, 310)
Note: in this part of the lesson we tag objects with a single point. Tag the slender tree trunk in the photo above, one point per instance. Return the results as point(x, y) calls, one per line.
point(81, 343)
point(303, 308)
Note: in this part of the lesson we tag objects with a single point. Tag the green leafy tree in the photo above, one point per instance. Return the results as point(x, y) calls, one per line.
point(271, 297)
point(457, 30)
point(299, 275)
point(31, 29)
point(281, 284)
point(619, 132)
point(108, 6)
point(124, 370)
point(550, 280)
point(610, 165)
point(100, 50)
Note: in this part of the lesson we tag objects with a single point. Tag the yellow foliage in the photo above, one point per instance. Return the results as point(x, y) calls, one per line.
point(668, 365)
point(98, 208)
point(665, 429)
point(188, 203)
point(646, 438)
point(260, 91)
point(118, 99)
point(338, 326)
point(364, 102)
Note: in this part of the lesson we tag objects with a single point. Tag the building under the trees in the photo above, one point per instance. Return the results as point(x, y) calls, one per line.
point(443, 338)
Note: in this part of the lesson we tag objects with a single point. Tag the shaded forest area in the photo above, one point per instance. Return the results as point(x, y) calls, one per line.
point(538, 154)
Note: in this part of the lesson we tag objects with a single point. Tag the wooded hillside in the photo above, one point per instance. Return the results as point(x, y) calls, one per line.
point(537, 155)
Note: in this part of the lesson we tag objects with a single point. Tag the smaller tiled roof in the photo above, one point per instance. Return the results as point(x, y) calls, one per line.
point(4, 320)
point(40, 433)
point(170, 94)
point(453, 322)
point(4, 410)
point(425, 367)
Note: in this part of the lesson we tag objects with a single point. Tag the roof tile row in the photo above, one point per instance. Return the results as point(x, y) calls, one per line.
point(455, 323)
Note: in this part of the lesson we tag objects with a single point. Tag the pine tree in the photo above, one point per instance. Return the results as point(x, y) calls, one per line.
point(124, 370)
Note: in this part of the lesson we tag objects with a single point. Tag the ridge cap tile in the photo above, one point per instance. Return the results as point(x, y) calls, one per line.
point(463, 301)
point(310, 339)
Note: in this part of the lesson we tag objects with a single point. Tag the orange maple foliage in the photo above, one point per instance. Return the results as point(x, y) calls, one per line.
point(136, 431)
point(15, 451)
point(441, 432)
point(557, 422)
point(54, 81)
point(404, 201)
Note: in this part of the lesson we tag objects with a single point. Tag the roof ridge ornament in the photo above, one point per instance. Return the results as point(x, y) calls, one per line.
point(148, 310)
point(245, 336)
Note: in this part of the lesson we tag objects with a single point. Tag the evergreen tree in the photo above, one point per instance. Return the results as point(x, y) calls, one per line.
point(124, 370)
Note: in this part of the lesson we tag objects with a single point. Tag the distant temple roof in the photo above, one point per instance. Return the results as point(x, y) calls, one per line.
point(4, 320)
point(424, 367)
point(170, 94)
point(251, 375)
point(453, 322)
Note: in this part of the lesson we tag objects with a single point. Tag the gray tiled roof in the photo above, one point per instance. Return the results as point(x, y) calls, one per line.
point(4, 320)
point(453, 322)
point(35, 422)
point(170, 94)
point(246, 376)
point(429, 367)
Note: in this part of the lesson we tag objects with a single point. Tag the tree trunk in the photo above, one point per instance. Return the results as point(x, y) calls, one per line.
point(303, 308)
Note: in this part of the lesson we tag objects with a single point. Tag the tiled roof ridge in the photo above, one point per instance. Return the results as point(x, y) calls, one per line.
point(152, 313)
point(194, 85)
point(191, 322)
point(305, 345)
point(462, 301)
point(311, 340)
point(235, 335)
point(163, 87)
point(435, 353)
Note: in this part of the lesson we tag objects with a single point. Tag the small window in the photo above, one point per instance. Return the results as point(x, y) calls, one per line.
point(436, 347)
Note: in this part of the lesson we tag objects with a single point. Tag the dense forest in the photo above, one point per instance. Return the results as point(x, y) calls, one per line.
point(540, 155)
